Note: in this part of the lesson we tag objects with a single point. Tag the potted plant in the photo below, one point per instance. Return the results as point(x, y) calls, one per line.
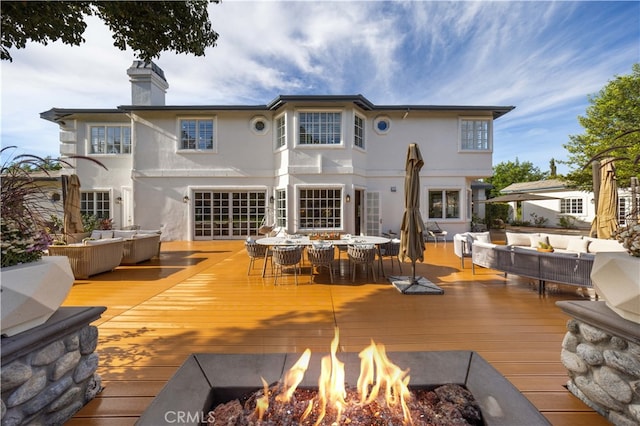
point(32, 285)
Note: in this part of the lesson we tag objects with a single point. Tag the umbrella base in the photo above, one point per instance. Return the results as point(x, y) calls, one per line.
point(414, 285)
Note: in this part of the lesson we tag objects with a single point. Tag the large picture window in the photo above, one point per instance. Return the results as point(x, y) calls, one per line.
point(571, 206)
point(320, 128)
point(444, 204)
point(475, 134)
point(320, 208)
point(95, 203)
point(110, 140)
point(197, 134)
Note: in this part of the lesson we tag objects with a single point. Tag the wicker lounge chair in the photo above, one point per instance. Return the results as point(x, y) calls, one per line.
point(92, 257)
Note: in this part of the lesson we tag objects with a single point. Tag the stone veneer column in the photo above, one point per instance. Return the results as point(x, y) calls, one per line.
point(49, 372)
point(601, 352)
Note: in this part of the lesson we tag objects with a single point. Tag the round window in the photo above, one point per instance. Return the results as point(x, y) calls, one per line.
point(382, 124)
point(259, 125)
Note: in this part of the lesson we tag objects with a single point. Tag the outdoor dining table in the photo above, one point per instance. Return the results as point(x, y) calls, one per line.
point(303, 240)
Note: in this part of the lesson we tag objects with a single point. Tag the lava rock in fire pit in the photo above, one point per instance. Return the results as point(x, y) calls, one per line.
point(445, 405)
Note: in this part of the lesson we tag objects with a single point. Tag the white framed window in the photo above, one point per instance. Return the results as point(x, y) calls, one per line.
point(572, 205)
point(319, 128)
point(281, 207)
point(373, 213)
point(444, 204)
point(95, 203)
point(358, 131)
point(281, 131)
point(320, 208)
point(197, 134)
point(475, 134)
point(109, 139)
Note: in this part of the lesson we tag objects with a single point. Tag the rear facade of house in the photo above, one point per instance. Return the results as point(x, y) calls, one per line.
point(317, 163)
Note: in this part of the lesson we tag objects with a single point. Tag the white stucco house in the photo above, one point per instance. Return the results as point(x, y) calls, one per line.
point(564, 202)
point(307, 163)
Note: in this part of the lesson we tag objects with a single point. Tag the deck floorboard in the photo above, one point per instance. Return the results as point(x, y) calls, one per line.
point(197, 298)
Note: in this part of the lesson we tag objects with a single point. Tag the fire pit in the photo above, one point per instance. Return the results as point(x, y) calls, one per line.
point(207, 380)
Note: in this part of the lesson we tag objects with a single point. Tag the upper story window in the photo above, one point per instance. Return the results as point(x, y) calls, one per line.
point(571, 206)
point(197, 134)
point(358, 131)
point(475, 134)
point(320, 128)
point(107, 139)
point(281, 131)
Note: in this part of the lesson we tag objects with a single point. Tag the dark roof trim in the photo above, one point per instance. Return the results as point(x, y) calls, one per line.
point(57, 114)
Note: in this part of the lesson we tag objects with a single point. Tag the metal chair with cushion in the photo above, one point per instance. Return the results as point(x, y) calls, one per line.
point(286, 256)
point(364, 254)
point(258, 251)
point(321, 257)
point(391, 250)
point(435, 232)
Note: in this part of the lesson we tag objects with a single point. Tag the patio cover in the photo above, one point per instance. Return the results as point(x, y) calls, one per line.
point(520, 196)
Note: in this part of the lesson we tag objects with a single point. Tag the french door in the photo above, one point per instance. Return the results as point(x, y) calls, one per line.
point(227, 214)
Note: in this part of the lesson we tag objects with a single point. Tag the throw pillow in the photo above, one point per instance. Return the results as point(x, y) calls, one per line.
point(516, 239)
point(578, 245)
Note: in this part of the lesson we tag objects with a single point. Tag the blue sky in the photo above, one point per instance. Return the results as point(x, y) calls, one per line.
point(545, 58)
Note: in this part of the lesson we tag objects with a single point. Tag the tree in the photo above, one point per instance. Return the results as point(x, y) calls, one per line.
point(506, 173)
point(612, 124)
point(147, 27)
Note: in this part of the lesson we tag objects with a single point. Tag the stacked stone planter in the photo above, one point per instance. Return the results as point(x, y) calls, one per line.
point(48, 373)
point(601, 352)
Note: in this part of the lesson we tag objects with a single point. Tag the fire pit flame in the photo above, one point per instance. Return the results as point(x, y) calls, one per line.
point(377, 373)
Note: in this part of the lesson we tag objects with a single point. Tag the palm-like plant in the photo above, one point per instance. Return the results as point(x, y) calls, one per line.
point(24, 234)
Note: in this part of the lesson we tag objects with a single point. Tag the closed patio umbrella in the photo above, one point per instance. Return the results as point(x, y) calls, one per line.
point(606, 222)
point(411, 238)
point(412, 229)
point(71, 204)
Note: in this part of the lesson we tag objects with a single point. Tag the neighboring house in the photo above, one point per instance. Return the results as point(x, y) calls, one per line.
point(565, 202)
point(307, 163)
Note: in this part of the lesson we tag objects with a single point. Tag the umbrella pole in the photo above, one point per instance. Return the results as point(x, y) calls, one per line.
point(412, 279)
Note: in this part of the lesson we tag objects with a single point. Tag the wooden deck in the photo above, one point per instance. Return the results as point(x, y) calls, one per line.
point(197, 297)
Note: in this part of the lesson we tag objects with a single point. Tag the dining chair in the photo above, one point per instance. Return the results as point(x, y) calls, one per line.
point(321, 257)
point(362, 254)
point(391, 250)
point(286, 256)
point(258, 251)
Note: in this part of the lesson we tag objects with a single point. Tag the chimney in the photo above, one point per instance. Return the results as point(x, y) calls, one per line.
point(148, 85)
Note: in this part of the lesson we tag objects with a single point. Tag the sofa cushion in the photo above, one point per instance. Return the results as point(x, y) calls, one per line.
point(98, 234)
point(560, 241)
point(578, 245)
point(517, 239)
point(599, 244)
point(124, 234)
point(102, 241)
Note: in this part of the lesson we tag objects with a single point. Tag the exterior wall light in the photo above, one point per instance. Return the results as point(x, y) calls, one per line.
point(118, 200)
point(185, 199)
point(271, 200)
point(348, 198)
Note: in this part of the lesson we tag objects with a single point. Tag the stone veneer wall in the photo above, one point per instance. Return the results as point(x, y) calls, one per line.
point(48, 378)
point(603, 361)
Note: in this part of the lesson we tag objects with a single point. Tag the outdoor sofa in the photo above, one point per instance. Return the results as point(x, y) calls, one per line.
point(92, 256)
point(570, 263)
point(139, 246)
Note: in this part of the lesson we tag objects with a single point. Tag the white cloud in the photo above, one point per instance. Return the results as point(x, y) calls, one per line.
point(543, 57)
